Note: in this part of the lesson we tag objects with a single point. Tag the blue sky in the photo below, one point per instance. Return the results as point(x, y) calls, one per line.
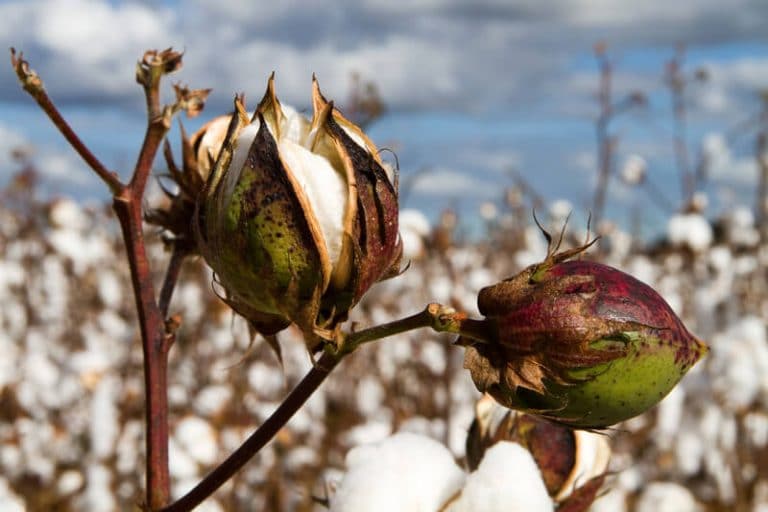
point(473, 88)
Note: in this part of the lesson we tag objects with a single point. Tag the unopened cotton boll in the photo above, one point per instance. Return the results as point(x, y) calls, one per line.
point(405, 472)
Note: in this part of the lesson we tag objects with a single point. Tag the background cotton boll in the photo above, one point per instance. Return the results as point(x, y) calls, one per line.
point(104, 416)
point(756, 425)
point(414, 231)
point(689, 450)
point(642, 269)
point(67, 214)
point(666, 497)
point(633, 170)
point(559, 210)
point(369, 394)
point(614, 500)
point(9, 501)
point(405, 472)
point(670, 413)
point(372, 431)
point(507, 480)
point(198, 438)
point(740, 228)
point(488, 211)
point(689, 230)
point(740, 363)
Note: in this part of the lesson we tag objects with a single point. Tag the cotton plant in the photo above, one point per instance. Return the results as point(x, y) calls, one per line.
point(297, 218)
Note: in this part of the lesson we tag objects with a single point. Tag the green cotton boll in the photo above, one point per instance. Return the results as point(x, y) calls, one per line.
point(580, 343)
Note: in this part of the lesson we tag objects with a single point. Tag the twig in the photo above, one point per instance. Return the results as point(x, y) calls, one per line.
point(436, 316)
point(34, 86)
point(155, 347)
point(677, 84)
point(127, 204)
point(605, 143)
point(178, 254)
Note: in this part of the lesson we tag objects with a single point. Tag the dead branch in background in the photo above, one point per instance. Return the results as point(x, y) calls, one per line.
point(761, 157)
point(677, 81)
point(607, 143)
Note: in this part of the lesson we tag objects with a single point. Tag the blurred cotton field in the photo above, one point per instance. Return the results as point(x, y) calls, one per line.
point(71, 400)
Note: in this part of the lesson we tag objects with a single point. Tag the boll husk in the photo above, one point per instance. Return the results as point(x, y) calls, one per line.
point(298, 218)
point(579, 342)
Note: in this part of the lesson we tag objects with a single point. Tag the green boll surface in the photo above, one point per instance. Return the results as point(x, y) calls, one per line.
point(608, 393)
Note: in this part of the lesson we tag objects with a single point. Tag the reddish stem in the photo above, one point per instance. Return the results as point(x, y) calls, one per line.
point(178, 255)
point(34, 86)
point(155, 345)
point(127, 203)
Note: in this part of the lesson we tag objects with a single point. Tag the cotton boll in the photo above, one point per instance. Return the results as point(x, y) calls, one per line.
point(507, 480)
point(740, 363)
point(110, 289)
point(559, 210)
point(414, 230)
point(615, 500)
point(689, 452)
point(180, 464)
point(198, 439)
point(67, 214)
point(373, 431)
point(642, 268)
point(756, 425)
point(405, 472)
point(212, 399)
point(9, 501)
point(670, 413)
point(69, 482)
point(666, 497)
point(370, 394)
point(104, 427)
point(740, 228)
point(633, 171)
point(689, 230)
point(593, 453)
point(98, 493)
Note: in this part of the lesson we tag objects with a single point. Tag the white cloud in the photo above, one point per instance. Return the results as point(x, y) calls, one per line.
point(724, 166)
point(63, 167)
point(88, 47)
point(444, 53)
point(444, 182)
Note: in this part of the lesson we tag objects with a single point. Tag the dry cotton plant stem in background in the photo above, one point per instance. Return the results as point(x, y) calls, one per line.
point(435, 316)
point(127, 204)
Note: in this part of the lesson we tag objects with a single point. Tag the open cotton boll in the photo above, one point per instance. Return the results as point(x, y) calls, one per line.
point(325, 188)
point(507, 480)
point(593, 453)
point(405, 472)
point(689, 230)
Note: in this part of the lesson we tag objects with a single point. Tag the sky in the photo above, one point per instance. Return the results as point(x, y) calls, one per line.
point(474, 90)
